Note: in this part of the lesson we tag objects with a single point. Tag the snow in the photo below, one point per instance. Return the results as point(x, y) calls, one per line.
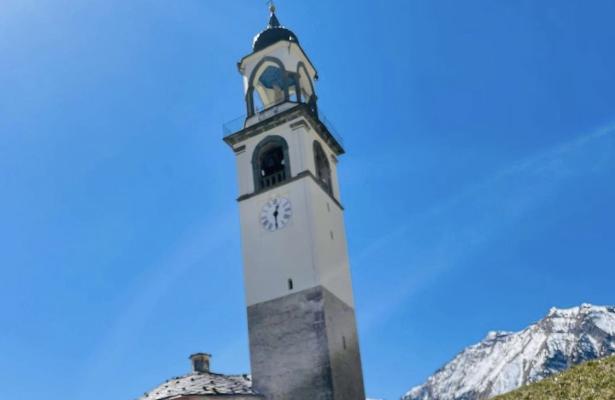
point(605, 321)
point(503, 361)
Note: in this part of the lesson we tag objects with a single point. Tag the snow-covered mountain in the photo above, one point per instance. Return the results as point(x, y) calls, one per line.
point(504, 361)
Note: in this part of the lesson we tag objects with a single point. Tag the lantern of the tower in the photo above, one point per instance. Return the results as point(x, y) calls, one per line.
point(277, 73)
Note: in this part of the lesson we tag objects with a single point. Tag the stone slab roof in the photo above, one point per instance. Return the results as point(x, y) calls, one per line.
point(202, 384)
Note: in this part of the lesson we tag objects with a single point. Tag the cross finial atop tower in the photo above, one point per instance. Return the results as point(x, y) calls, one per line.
point(271, 6)
point(273, 20)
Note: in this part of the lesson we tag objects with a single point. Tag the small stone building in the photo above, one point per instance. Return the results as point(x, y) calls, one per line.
point(203, 384)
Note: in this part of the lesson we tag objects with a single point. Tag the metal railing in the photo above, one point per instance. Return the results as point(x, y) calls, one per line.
point(325, 121)
point(234, 125)
point(239, 123)
point(273, 179)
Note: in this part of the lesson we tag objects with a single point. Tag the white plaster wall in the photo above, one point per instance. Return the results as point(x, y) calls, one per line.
point(244, 172)
point(329, 251)
point(330, 255)
point(304, 250)
point(271, 258)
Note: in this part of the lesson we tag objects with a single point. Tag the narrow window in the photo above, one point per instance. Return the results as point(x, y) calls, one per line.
point(344, 342)
point(328, 207)
point(331, 234)
point(323, 169)
point(291, 284)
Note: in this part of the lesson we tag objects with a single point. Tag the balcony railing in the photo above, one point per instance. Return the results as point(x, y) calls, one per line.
point(239, 123)
point(329, 125)
point(234, 125)
point(273, 179)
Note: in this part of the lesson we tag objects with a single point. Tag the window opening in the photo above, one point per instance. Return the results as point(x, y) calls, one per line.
point(258, 104)
point(270, 162)
point(305, 84)
point(294, 93)
point(271, 86)
point(272, 167)
point(268, 85)
point(323, 168)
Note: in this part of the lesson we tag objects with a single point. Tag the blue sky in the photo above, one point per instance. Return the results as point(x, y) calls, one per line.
point(478, 179)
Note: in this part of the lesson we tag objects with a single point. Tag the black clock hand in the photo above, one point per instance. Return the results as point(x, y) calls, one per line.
point(275, 215)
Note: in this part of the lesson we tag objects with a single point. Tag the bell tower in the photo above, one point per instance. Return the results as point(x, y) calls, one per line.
point(301, 318)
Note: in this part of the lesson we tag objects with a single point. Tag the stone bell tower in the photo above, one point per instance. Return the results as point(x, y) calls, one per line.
point(301, 318)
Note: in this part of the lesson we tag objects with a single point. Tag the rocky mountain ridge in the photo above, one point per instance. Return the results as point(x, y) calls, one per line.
point(505, 361)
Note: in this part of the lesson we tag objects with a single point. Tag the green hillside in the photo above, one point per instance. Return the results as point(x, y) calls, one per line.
point(594, 380)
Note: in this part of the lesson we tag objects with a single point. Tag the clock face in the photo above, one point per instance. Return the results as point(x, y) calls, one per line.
point(276, 214)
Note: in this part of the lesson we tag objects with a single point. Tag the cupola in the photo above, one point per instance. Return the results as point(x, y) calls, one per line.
point(274, 33)
point(277, 74)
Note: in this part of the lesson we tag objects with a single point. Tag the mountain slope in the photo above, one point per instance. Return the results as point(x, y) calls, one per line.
point(594, 380)
point(505, 361)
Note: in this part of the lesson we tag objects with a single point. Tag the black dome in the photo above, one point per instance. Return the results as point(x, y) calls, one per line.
point(274, 33)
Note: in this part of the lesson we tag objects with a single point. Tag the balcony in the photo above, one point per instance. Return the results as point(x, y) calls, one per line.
point(240, 123)
point(272, 180)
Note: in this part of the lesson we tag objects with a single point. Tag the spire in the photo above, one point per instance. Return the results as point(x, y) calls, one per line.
point(273, 20)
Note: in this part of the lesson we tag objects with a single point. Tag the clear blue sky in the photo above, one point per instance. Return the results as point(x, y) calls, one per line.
point(478, 181)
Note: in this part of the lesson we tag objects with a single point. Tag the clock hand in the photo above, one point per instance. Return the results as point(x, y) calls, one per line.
point(275, 215)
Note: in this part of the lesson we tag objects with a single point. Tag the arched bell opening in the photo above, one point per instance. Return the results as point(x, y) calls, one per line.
point(323, 168)
point(271, 84)
point(268, 85)
point(294, 88)
point(270, 162)
point(305, 85)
